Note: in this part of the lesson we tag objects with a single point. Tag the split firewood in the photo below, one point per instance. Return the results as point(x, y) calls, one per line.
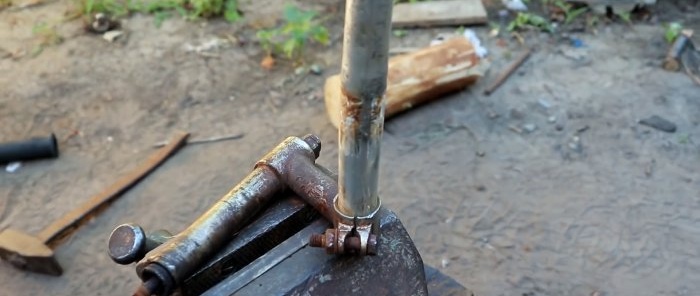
point(418, 77)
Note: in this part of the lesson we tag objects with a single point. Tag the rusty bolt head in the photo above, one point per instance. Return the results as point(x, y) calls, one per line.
point(372, 245)
point(314, 142)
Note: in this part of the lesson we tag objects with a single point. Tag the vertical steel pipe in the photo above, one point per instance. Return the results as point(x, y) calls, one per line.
point(363, 75)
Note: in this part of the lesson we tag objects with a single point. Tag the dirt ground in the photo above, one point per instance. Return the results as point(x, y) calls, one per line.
point(588, 202)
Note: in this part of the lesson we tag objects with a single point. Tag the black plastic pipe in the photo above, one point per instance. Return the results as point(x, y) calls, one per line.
point(34, 148)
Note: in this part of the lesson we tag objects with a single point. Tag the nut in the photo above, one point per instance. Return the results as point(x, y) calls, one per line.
point(372, 245)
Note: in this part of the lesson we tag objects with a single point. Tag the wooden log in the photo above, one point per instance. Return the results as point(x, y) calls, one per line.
point(439, 13)
point(418, 77)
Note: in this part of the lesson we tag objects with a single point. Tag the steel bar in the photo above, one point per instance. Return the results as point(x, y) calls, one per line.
point(181, 255)
point(363, 78)
point(178, 258)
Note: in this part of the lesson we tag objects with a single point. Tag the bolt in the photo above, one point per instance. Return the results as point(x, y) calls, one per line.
point(372, 245)
point(314, 142)
point(317, 240)
point(126, 243)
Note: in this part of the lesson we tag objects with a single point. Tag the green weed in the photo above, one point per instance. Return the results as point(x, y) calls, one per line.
point(45, 36)
point(161, 9)
point(625, 16)
point(527, 20)
point(672, 31)
point(299, 28)
point(5, 3)
point(399, 33)
point(570, 13)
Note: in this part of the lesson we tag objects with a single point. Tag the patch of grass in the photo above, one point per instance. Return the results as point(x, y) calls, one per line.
point(161, 9)
point(399, 33)
point(289, 39)
point(625, 16)
point(570, 13)
point(526, 20)
point(5, 4)
point(45, 36)
point(672, 31)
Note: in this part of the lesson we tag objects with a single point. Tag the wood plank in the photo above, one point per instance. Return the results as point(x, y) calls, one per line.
point(439, 13)
point(69, 222)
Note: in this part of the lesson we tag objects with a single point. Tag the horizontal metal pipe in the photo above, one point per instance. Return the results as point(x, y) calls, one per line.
point(182, 254)
point(34, 148)
point(314, 184)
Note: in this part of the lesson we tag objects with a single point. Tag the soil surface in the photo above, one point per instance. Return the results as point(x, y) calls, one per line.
point(549, 186)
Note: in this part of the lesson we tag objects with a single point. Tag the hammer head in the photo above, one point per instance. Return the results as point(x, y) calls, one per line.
point(28, 252)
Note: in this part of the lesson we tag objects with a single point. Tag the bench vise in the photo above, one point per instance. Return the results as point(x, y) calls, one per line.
point(253, 240)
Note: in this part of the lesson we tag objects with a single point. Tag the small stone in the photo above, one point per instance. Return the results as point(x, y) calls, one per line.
point(559, 127)
point(659, 123)
point(13, 167)
point(481, 188)
point(529, 127)
point(445, 262)
point(544, 104)
point(110, 139)
point(516, 114)
point(299, 70)
point(480, 153)
point(110, 36)
point(552, 119)
point(316, 69)
point(311, 97)
point(575, 144)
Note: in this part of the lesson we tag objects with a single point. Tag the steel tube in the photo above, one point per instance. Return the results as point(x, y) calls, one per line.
point(35, 148)
point(178, 258)
point(364, 78)
point(314, 184)
point(181, 255)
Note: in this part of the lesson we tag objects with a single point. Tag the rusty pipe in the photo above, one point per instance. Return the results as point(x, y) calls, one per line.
point(363, 76)
point(168, 265)
point(313, 183)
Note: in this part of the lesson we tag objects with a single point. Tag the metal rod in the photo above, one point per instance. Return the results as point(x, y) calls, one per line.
point(181, 255)
point(363, 75)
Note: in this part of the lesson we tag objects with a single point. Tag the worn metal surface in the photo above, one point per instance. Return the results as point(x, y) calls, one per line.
point(443, 285)
point(178, 258)
point(267, 261)
point(397, 270)
point(276, 224)
point(181, 255)
point(363, 78)
point(129, 243)
point(310, 181)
